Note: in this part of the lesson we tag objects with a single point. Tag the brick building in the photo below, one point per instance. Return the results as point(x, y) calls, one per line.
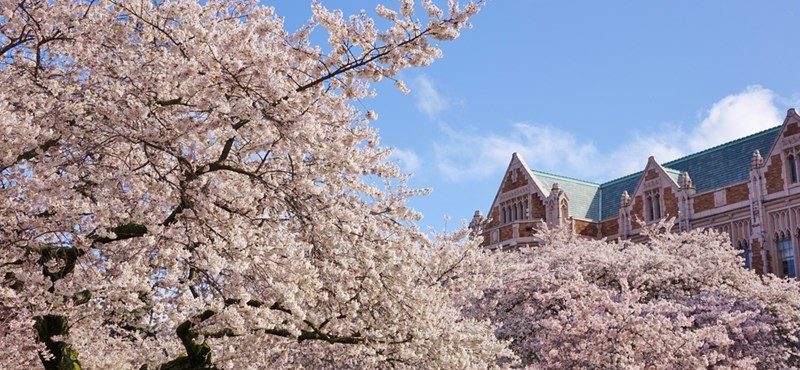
point(748, 188)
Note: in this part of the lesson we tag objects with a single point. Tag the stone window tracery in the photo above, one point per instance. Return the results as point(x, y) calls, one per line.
point(782, 238)
point(652, 205)
point(515, 209)
point(740, 237)
point(744, 247)
point(783, 243)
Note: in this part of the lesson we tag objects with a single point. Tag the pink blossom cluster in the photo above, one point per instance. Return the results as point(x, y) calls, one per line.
point(677, 301)
point(184, 184)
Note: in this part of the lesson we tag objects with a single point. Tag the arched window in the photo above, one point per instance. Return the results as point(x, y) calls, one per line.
point(514, 212)
point(650, 216)
point(792, 168)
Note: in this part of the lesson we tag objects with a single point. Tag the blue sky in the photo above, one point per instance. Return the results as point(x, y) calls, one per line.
point(584, 89)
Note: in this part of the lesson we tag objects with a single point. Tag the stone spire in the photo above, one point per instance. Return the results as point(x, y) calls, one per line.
point(477, 221)
point(624, 199)
point(685, 181)
point(757, 161)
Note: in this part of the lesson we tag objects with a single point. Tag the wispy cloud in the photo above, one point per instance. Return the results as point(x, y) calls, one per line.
point(407, 159)
point(429, 101)
point(472, 155)
point(463, 156)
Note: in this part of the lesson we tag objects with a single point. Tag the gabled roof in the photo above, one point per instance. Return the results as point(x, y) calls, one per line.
point(713, 168)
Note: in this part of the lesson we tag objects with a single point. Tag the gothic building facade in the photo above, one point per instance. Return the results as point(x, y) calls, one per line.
point(748, 188)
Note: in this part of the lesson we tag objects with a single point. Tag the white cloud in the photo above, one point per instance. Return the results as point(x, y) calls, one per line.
point(664, 145)
point(475, 155)
point(429, 101)
point(408, 160)
point(467, 155)
point(735, 116)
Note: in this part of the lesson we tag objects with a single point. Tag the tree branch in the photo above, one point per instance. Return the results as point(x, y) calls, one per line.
point(30, 154)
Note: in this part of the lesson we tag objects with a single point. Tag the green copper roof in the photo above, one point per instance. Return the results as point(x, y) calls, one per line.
point(709, 169)
point(584, 200)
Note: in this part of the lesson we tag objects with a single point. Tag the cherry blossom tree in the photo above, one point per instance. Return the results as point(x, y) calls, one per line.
point(677, 301)
point(186, 184)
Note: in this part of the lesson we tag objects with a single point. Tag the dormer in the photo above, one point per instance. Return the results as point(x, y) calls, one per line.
point(782, 164)
point(655, 196)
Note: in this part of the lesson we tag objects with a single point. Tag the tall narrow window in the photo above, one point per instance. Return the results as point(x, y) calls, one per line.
point(786, 255)
point(650, 216)
point(748, 259)
point(793, 168)
point(657, 205)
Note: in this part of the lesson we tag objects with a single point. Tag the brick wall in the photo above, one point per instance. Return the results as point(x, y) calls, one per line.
point(791, 129)
point(774, 175)
point(734, 194)
point(651, 174)
point(506, 232)
point(494, 218)
point(637, 212)
point(527, 229)
point(737, 193)
point(670, 203)
point(487, 238)
point(609, 227)
point(755, 257)
point(585, 228)
point(509, 185)
point(537, 207)
point(769, 269)
point(703, 202)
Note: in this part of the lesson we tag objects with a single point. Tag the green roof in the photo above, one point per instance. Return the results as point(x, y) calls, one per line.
point(713, 168)
point(584, 199)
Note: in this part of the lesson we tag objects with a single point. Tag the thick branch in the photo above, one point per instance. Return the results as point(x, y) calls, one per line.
point(123, 232)
point(63, 356)
point(14, 42)
point(33, 152)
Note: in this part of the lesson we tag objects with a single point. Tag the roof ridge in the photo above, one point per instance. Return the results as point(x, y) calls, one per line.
point(696, 154)
point(721, 146)
point(562, 177)
point(619, 179)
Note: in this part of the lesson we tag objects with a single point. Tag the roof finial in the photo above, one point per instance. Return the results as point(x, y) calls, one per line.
point(477, 220)
point(625, 199)
point(685, 181)
point(757, 161)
